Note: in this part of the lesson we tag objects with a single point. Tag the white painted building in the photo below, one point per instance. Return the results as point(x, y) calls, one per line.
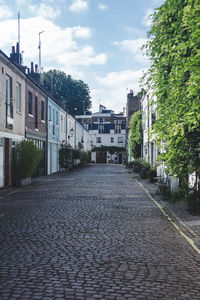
point(81, 136)
point(12, 114)
point(150, 151)
point(71, 137)
point(105, 129)
point(63, 127)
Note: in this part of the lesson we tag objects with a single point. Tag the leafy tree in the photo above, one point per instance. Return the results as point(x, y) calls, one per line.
point(73, 95)
point(174, 49)
point(135, 134)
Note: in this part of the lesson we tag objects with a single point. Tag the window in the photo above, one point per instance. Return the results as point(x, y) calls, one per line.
point(153, 118)
point(53, 122)
point(56, 117)
point(117, 129)
point(30, 103)
point(9, 102)
point(18, 96)
point(112, 139)
point(36, 112)
point(98, 139)
point(101, 128)
point(42, 110)
point(50, 113)
point(120, 139)
point(61, 121)
point(101, 120)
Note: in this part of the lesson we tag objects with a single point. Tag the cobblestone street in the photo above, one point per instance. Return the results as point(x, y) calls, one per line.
point(92, 234)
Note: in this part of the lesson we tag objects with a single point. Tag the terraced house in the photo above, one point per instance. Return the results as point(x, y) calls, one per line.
point(12, 114)
point(107, 135)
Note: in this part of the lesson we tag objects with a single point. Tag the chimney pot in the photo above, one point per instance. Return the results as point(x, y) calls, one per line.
point(17, 48)
point(32, 67)
point(36, 68)
point(13, 49)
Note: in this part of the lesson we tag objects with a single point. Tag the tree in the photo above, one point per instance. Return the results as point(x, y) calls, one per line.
point(174, 49)
point(73, 95)
point(135, 134)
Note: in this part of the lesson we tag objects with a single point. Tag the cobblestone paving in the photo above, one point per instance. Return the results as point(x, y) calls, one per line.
point(92, 234)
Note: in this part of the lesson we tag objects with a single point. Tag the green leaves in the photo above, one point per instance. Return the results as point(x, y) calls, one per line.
point(135, 134)
point(174, 49)
point(73, 95)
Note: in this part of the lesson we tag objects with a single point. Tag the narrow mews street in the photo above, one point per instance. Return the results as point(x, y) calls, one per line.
point(92, 234)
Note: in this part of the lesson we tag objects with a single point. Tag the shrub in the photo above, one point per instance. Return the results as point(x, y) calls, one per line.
point(194, 202)
point(151, 174)
point(144, 170)
point(65, 156)
point(25, 160)
point(141, 166)
point(85, 158)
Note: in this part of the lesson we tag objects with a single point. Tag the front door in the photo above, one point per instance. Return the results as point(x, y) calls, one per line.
point(101, 157)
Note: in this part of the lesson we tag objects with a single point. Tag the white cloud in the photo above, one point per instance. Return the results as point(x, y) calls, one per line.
point(45, 11)
point(82, 57)
point(78, 6)
point(134, 46)
point(147, 20)
point(114, 88)
point(81, 32)
point(5, 11)
point(102, 6)
point(59, 47)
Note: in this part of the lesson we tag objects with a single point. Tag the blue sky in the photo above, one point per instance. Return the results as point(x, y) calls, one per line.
point(97, 41)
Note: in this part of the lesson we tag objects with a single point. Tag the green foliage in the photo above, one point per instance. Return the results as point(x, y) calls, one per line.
point(25, 159)
point(76, 154)
point(174, 49)
point(73, 95)
point(110, 149)
point(141, 166)
point(66, 156)
point(135, 134)
point(85, 158)
point(151, 174)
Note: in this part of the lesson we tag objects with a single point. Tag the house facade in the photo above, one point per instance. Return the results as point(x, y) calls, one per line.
point(12, 112)
point(71, 135)
point(132, 106)
point(53, 121)
point(35, 120)
point(150, 150)
point(106, 129)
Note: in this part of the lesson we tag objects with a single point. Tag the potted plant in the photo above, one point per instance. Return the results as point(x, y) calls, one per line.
point(25, 160)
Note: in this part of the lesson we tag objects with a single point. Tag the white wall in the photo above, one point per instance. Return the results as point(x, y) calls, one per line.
point(70, 130)
point(106, 139)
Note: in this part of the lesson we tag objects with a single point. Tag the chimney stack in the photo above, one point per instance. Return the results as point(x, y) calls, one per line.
point(32, 67)
point(16, 56)
point(36, 68)
point(17, 48)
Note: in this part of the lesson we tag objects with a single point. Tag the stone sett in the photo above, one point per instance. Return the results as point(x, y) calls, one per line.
point(92, 234)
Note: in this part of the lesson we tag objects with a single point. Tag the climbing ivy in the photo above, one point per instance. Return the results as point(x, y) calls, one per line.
point(135, 134)
point(174, 75)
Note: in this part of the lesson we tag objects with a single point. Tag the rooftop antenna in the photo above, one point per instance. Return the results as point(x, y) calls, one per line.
point(39, 47)
point(19, 33)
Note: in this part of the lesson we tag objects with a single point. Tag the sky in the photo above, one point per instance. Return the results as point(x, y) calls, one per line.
point(97, 41)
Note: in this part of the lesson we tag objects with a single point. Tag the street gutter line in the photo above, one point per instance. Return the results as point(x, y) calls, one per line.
point(188, 239)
